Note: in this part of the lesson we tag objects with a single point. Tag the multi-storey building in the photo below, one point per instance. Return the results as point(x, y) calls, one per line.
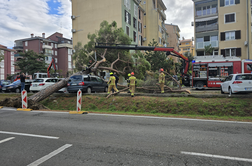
point(173, 38)
point(140, 20)
point(186, 46)
point(7, 63)
point(225, 24)
point(55, 46)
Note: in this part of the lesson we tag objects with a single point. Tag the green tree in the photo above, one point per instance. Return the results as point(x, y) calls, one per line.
point(31, 62)
point(158, 59)
point(80, 57)
point(141, 65)
point(209, 50)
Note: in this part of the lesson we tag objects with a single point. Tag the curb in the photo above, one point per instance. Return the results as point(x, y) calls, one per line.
point(21, 109)
point(78, 112)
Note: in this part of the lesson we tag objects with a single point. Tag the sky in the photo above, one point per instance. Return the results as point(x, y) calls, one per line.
point(20, 18)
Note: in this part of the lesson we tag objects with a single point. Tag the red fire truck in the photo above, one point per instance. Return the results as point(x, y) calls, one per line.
point(209, 71)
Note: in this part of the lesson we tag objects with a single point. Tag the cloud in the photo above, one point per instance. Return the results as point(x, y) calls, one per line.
point(180, 12)
point(20, 18)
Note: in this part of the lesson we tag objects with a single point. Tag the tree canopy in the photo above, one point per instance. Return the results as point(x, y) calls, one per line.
point(31, 62)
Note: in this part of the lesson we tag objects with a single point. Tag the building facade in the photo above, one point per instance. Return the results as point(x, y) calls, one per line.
point(7, 64)
point(226, 25)
point(142, 21)
point(186, 46)
point(55, 46)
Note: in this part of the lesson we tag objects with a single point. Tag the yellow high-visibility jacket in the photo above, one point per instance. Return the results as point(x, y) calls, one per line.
point(132, 80)
point(112, 80)
point(161, 78)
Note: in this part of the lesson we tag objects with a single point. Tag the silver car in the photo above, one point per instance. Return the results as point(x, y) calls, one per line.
point(237, 83)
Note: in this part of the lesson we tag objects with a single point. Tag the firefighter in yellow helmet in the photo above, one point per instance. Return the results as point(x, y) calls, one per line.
point(128, 82)
point(161, 80)
point(111, 83)
point(132, 84)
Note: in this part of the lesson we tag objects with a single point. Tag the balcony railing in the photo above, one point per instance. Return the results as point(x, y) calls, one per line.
point(207, 28)
point(18, 48)
point(46, 46)
point(201, 45)
point(65, 45)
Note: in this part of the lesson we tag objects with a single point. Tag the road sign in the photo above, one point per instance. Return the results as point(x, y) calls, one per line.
point(24, 99)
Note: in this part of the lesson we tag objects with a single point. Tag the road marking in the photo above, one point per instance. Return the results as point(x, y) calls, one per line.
point(7, 139)
point(50, 155)
point(217, 156)
point(185, 119)
point(29, 135)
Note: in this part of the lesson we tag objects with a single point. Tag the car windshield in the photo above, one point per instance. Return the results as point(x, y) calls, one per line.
point(5, 82)
point(244, 77)
point(38, 80)
point(76, 78)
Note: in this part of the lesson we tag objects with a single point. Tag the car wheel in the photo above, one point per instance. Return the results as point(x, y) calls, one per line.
point(230, 91)
point(199, 85)
point(221, 90)
point(106, 89)
point(17, 90)
point(89, 90)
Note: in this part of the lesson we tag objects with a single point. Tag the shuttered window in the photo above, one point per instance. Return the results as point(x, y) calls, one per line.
point(230, 18)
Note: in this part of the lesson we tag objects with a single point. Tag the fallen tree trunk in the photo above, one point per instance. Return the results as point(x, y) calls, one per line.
point(117, 92)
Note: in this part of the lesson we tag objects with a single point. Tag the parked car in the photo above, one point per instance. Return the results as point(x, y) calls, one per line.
point(16, 86)
point(237, 83)
point(86, 83)
point(3, 83)
point(42, 83)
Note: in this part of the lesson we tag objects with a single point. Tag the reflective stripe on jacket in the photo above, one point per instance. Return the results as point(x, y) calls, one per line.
point(161, 78)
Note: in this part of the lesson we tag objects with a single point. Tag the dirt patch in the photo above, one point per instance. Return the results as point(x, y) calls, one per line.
point(17, 103)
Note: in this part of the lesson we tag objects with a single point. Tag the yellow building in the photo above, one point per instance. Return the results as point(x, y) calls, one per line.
point(141, 20)
point(186, 46)
point(226, 25)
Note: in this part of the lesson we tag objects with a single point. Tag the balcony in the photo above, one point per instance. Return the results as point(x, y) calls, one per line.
point(162, 13)
point(201, 45)
point(18, 48)
point(206, 28)
point(65, 45)
point(17, 55)
point(46, 47)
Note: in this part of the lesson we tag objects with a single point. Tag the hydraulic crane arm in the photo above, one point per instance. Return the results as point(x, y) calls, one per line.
point(168, 51)
point(49, 67)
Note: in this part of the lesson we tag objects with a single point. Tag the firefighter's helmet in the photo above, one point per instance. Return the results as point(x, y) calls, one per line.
point(129, 74)
point(161, 70)
point(132, 73)
point(111, 73)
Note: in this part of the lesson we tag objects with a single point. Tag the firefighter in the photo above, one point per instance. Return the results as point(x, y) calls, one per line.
point(161, 79)
point(132, 82)
point(128, 81)
point(111, 83)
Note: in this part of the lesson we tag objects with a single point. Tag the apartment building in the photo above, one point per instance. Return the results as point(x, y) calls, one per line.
point(186, 46)
point(7, 64)
point(173, 35)
point(142, 20)
point(225, 24)
point(55, 46)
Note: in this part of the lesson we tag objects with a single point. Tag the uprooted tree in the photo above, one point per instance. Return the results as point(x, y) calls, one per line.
point(113, 60)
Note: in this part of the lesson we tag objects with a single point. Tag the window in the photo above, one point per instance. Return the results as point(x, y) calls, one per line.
point(198, 11)
point(249, 67)
point(2, 52)
point(56, 51)
point(55, 45)
point(56, 60)
point(26, 43)
point(69, 51)
point(52, 45)
point(69, 65)
point(231, 52)
point(127, 30)
point(134, 22)
point(69, 58)
point(127, 17)
point(214, 38)
point(214, 9)
point(204, 10)
point(139, 14)
point(160, 29)
point(230, 35)
point(208, 10)
point(140, 39)
point(140, 27)
point(160, 42)
point(228, 2)
point(52, 52)
point(199, 39)
point(187, 43)
point(230, 18)
point(134, 36)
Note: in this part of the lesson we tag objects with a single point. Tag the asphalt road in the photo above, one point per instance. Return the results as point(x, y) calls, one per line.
point(62, 139)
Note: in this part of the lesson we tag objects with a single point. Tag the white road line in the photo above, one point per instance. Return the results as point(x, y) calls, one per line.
point(185, 119)
point(7, 139)
point(43, 159)
point(217, 156)
point(29, 135)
